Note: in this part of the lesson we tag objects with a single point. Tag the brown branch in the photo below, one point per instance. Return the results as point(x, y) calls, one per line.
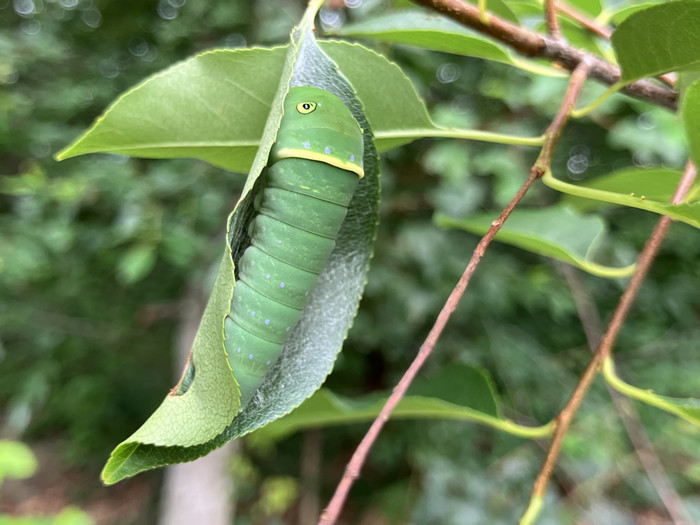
point(536, 45)
point(552, 134)
point(352, 471)
point(646, 257)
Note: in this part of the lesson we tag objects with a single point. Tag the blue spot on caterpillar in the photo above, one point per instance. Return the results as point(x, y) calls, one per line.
point(304, 202)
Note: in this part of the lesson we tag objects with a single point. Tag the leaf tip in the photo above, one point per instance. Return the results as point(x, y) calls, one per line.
point(114, 470)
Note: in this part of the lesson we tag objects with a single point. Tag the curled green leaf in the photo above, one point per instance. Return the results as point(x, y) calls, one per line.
point(204, 412)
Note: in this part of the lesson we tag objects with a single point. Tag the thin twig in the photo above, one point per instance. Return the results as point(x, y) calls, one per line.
point(550, 17)
point(352, 471)
point(533, 44)
point(552, 134)
point(582, 20)
point(553, 131)
point(591, 323)
point(646, 257)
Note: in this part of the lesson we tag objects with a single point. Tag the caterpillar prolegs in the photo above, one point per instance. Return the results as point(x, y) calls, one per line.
point(313, 169)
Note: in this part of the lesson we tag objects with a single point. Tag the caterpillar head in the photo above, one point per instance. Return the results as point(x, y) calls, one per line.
point(318, 126)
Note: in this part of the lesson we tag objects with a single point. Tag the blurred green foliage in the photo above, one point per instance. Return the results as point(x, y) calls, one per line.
point(96, 254)
point(17, 461)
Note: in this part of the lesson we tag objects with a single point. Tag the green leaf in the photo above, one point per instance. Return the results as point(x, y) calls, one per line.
point(459, 392)
point(188, 426)
point(688, 409)
point(437, 33)
point(590, 7)
point(398, 116)
point(67, 516)
point(618, 16)
point(136, 263)
point(16, 460)
point(557, 232)
point(213, 106)
point(686, 79)
point(659, 39)
point(208, 398)
point(500, 9)
point(691, 119)
point(687, 212)
point(222, 104)
point(203, 409)
point(72, 516)
point(526, 9)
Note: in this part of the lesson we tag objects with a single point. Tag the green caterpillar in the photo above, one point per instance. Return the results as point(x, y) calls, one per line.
point(313, 169)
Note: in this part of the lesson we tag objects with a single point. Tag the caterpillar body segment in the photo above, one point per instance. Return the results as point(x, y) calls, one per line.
point(314, 168)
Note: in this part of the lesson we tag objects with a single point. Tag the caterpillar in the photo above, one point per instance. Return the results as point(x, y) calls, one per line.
point(313, 169)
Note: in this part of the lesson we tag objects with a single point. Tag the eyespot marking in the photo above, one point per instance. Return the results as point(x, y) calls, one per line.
point(306, 107)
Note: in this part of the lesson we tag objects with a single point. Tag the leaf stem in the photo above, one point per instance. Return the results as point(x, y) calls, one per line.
point(483, 13)
point(459, 133)
point(618, 198)
point(533, 510)
point(312, 9)
point(578, 113)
